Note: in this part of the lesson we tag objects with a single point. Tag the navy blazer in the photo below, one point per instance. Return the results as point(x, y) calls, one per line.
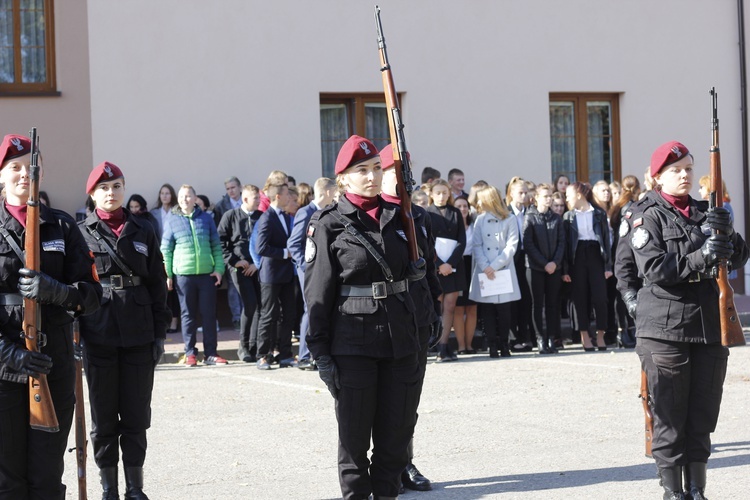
point(298, 239)
point(270, 243)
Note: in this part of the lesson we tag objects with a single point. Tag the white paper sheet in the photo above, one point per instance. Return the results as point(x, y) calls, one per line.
point(444, 248)
point(503, 283)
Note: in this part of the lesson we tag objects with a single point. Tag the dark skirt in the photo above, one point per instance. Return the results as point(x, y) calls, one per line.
point(455, 282)
point(463, 299)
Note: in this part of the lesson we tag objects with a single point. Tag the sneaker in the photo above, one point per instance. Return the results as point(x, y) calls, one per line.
point(191, 360)
point(287, 363)
point(262, 364)
point(214, 360)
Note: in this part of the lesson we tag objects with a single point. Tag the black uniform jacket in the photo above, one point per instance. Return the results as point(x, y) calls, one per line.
point(678, 301)
point(626, 271)
point(365, 326)
point(543, 239)
point(64, 257)
point(601, 229)
point(132, 315)
point(235, 229)
point(426, 291)
point(449, 226)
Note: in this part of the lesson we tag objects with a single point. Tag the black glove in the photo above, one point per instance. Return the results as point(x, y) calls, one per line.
point(46, 290)
point(158, 350)
point(716, 248)
point(27, 362)
point(719, 219)
point(329, 374)
point(630, 297)
point(436, 331)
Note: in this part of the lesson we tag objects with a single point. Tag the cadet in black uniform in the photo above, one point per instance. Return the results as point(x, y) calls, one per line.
point(124, 339)
point(363, 332)
point(31, 461)
point(425, 293)
point(677, 315)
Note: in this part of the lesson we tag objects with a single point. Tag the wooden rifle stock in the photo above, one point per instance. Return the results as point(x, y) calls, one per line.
point(731, 328)
point(648, 416)
point(80, 415)
point(42, 415)
point(401, 163)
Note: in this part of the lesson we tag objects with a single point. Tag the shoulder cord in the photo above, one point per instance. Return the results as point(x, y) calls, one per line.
point(124, 267)
point(14, 245)
point(353, 231)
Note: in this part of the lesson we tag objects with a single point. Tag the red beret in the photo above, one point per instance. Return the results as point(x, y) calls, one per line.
point(667, 154)
point(386, 157)
point(14, 146)
point(356, 149)
point(103, 172)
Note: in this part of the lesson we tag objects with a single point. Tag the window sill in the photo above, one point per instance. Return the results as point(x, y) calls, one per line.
point(30, 93)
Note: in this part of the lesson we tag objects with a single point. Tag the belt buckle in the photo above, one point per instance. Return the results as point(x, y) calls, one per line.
point(694, 277)
point(116, 282)
point(379, 290)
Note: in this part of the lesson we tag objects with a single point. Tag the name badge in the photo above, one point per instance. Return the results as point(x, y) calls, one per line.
point(54, 246)
point(141, 248)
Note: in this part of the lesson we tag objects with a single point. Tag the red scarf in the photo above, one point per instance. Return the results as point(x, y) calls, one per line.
point(369, 204)
point(681, 203)
point(391, 199)
point(114, 220)
point(18, 212)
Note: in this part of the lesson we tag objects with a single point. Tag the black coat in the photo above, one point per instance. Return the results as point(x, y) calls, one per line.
point(133, 315)
point(678, 301)
point(601, 229)
point(450, 226)
point(235, 229)
point(365, 326)
point(543, 239)
point(64, 257)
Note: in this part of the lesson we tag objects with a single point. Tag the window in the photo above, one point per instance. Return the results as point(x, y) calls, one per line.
point(27, 47)
point(343, 115)
point(585, 136)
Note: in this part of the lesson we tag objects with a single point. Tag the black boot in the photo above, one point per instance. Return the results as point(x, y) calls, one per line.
point(543, 345)
point(493, 350)
point(504, 350)
point(134, 483)
point(695, 481)
point(671, 481)
point(551, 346)
point(444, 354)
point(414, 480)
point(108, 477)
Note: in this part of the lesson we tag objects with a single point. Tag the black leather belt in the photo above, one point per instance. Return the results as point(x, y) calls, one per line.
point(118, 281)
point(378, 290)
point(11, 299)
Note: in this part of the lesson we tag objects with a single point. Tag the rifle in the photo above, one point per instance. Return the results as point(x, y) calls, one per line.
point(80, 416)
point(42, 415)
point(731, 328)
point(401, 162)
point(649, 417)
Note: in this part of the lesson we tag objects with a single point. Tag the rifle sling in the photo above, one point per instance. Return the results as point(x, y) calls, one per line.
point(370, 248)
point(111, 251)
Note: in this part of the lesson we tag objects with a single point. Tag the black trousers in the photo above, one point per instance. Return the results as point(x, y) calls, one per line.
point(424, 338)
point(278, 303)
point(377, 401)
point(32, 461)
point(686, 382)
point(247, 288)
point(120, 381)
point(520, 310)
point(589, 288)
point(496, 320)
point(545, 293)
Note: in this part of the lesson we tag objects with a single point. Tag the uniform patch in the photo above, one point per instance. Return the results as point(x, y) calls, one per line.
point(624, 228)
point(424, 231)
point(310, 250)
point(310, 230)
point(637, 222)
point(402, 234)
point(141, 248)
point(628, 214)
point(54, 246)
point(640, 238)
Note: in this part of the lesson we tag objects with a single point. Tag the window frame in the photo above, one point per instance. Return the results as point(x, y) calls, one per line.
point(580, 100)
point(49, 87)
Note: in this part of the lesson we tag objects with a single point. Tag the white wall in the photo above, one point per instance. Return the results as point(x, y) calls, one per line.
point(183, 91)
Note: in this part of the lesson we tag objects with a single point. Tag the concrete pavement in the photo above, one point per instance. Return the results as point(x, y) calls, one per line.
point(528, 427)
